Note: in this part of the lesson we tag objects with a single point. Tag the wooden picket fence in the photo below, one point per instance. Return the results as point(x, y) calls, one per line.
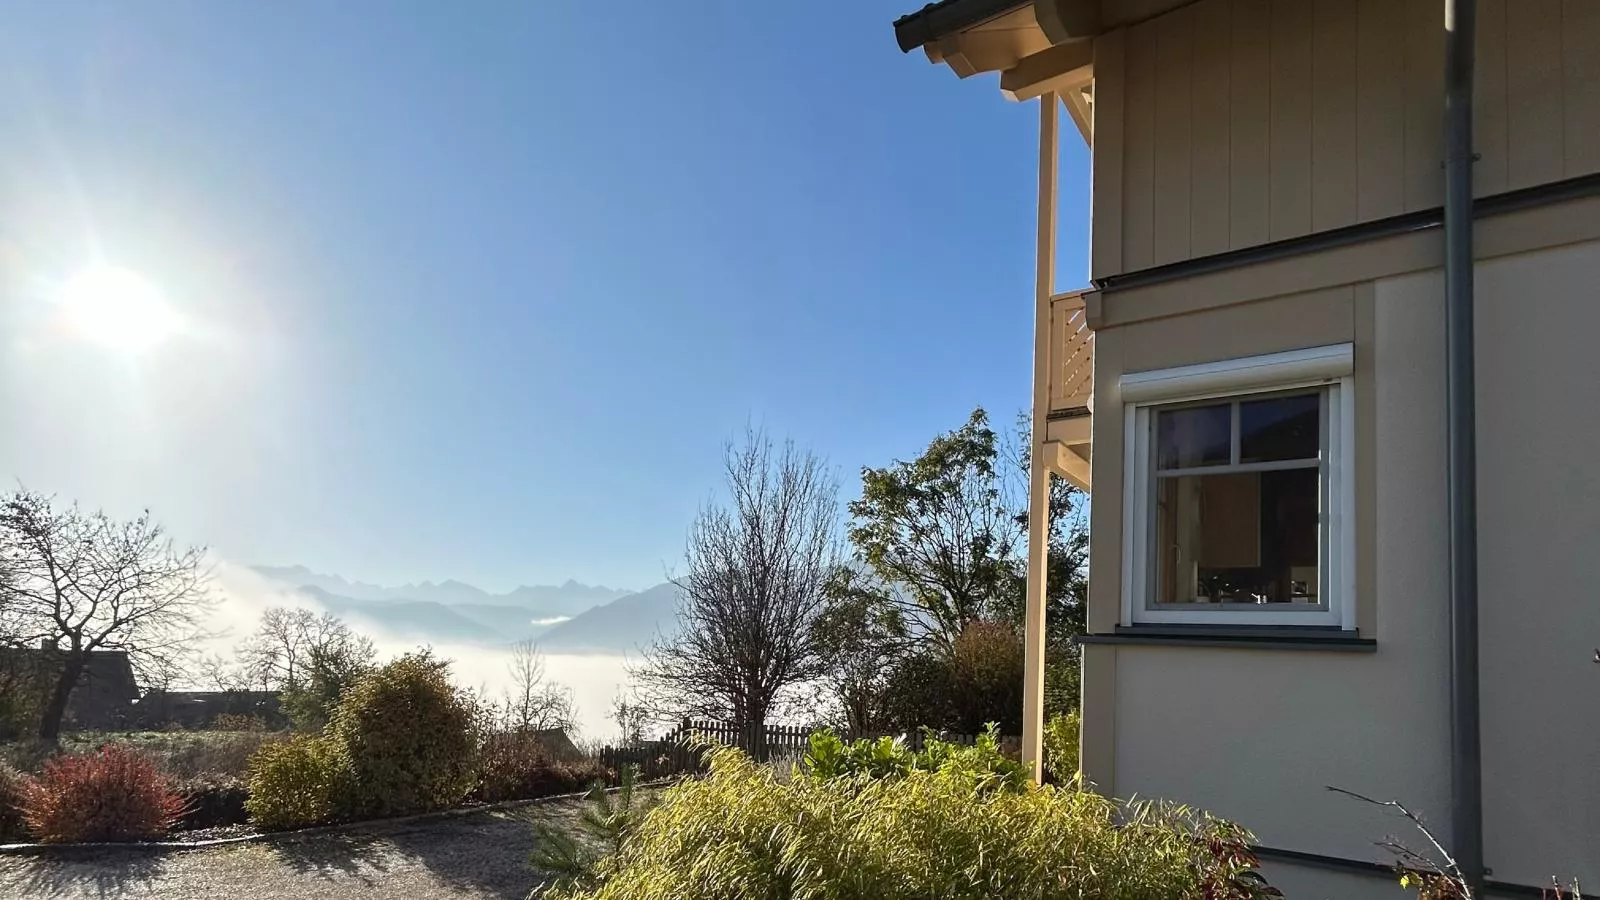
point(681, 751)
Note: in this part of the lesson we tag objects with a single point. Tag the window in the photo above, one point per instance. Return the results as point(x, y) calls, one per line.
point(1238, 499)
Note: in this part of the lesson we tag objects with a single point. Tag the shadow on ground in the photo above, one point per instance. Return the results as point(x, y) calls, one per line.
point(98, 873)
point(484, 854)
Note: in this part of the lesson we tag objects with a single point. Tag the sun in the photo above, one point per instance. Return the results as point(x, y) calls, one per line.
point(117, 308)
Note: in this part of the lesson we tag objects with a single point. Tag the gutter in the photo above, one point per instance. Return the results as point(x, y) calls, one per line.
point(938, 20)
point(1466, 750)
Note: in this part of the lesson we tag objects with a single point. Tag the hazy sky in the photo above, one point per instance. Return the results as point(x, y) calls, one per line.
point(478, 290)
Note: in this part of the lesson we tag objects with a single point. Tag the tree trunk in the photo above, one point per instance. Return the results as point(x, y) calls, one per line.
point(56, 710)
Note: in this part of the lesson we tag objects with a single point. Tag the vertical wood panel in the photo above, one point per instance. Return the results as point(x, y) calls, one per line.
point(1290, 185)
point(1424, 93)
point(1380, 109)
point(1138, 213)
point(1105, 239)
point(1210, 86)
point(1333, 115)
point(1580, 77)
point(1173, 105)
point(1535, 144)
point(1489, 100)
point(1248, 118)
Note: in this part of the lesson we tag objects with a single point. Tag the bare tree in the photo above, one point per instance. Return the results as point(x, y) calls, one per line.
point(84, 582)
point(757, 567)
point(311, 658)
point(279, 655)
point(631, 716)
point(533, 702)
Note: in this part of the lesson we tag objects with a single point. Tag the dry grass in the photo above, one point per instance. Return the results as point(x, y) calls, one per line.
point(181, 754)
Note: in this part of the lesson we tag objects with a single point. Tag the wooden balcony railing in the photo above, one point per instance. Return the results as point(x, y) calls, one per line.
point(1071, 355)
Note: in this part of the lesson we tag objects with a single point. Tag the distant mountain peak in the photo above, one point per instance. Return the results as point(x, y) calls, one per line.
point(568, 599)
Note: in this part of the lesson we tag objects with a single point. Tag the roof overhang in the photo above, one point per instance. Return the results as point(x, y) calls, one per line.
point(1037, 46)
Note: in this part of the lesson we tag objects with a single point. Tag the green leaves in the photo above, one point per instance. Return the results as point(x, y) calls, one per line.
point(942, 529)
point(746, 831)
point(983, 763)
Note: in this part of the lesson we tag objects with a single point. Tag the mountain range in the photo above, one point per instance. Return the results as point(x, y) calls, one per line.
point(566, 599)
point(572, 618)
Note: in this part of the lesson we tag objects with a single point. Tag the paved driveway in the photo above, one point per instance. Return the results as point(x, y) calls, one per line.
point(482, 855)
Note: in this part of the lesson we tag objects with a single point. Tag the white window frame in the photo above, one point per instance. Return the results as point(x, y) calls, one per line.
point(1329, 368)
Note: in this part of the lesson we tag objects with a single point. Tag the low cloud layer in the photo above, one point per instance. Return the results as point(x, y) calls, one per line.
point(243, 595)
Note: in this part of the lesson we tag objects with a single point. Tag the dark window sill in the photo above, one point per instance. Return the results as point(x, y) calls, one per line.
point(1259, 637)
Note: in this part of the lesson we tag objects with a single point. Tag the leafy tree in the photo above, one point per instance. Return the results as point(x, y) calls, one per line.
point(83, 582)
point(757, 570)
point(942, 544)
point(941, 532)
point(860, 638)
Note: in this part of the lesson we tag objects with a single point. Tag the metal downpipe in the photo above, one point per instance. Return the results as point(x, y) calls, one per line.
point(1466, 759)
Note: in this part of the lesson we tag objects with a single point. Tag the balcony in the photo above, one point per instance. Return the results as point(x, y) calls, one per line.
point(1070, 374)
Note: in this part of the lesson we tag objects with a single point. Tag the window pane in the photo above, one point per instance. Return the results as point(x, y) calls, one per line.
point(1238, 538)
point(1280, 428)
point(1194, 436)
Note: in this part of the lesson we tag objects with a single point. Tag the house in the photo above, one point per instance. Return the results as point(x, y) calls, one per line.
point(105, 693)
point(159, 709)
point(1332, 387)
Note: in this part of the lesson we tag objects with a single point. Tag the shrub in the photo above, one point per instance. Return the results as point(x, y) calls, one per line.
point(607, 821)
point(518, 767)
point(192, 754)
point(13, 791)
point(238, 722)
point(829, 757)
point(1061, 747)
point(114, 795)
point(743, 831)
point(296, 783)
point(212, 800)
point(409, 737)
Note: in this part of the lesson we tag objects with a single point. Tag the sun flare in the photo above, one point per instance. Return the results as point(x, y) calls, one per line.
point(118, 308)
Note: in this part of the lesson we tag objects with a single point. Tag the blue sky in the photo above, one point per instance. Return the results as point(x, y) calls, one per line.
point(478, 290)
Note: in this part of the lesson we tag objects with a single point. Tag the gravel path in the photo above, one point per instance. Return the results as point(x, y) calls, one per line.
point(482, 855)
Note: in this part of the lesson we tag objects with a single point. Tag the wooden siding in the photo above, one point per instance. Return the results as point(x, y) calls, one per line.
point(1231, 123)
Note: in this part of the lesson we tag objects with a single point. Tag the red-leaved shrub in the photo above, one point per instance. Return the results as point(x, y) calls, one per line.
point(112, 795)
point(517, 767)
point(13, 786)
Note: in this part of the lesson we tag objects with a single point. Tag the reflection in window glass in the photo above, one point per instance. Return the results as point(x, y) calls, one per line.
point(1248, 537)
point(1194, 436)
point(1280, 428)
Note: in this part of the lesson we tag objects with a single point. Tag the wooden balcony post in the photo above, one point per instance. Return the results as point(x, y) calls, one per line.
point(1039, 472)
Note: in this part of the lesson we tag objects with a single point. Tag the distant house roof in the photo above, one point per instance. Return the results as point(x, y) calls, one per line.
point(104, 694)
point(195, 709)
point(556, 743)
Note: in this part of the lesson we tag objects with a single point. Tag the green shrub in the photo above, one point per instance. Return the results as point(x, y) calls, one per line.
point(299, 782)
point(829, 757)
point(13, 792)
point(518, 767)
point(743, 831)
point(410, 739)
point(1061, 747)
point(113, 795)
point(608, 819)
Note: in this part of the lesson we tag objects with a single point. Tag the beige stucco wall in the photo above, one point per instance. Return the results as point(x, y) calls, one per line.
point(1256, 735)
point(1539, 570)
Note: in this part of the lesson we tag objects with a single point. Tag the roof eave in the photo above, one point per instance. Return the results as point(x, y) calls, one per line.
point(938, 20)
